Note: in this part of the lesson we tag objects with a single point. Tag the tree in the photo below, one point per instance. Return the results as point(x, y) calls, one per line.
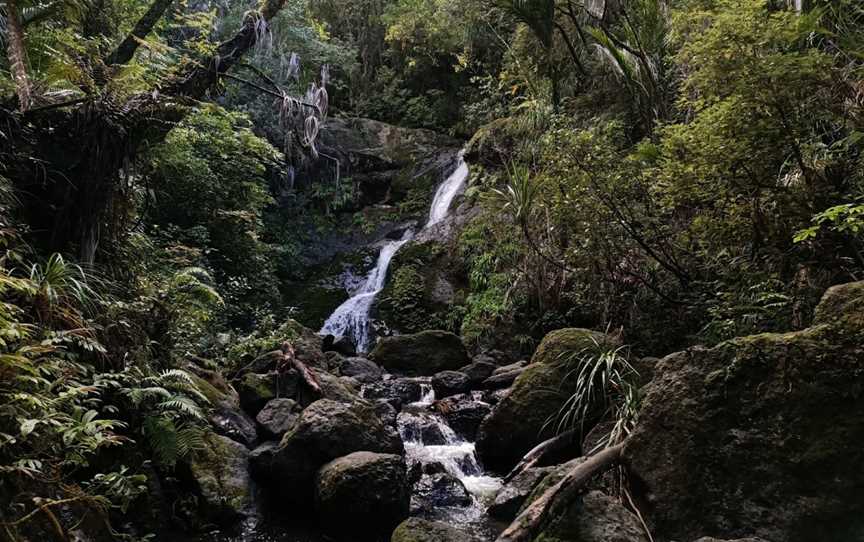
point(71, 157)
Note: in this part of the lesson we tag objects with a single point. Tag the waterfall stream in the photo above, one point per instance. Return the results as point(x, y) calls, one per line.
point(351, 318)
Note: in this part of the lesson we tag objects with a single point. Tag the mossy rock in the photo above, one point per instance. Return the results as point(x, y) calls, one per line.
point(221, 472)
point(760, 435)
point(595, 517)
point(526, 416)
point(422, 530)
point(420, 354)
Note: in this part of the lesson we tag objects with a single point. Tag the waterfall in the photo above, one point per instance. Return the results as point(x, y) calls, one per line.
point(351, 318)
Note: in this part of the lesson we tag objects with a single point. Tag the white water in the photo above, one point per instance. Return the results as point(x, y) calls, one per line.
point(455, 454)
point(351, 318)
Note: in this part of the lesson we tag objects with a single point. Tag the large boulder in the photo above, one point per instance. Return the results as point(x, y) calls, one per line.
point(278, 417)
point(362, 495)
point(422, 530)
point(220, 470)
point(362, 369)
point(447, 383)
point(478, 370)
point(326, 430)
point(595, 517)
point(761, 435)
point(256, 390)
point(396, 391)
point(421, 354)
point(523, 418)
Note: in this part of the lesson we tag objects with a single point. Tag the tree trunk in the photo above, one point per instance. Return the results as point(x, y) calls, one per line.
point(18, 55)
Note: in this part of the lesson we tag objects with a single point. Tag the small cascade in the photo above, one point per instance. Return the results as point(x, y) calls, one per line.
point(430, 442)
point(351, 318)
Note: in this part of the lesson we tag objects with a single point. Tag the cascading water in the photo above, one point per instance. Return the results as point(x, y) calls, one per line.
point(430, 441)
point(351, 318)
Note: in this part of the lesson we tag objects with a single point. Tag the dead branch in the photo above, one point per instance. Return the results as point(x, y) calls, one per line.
point(542, 451)
point(558, 498)
point(289, 360)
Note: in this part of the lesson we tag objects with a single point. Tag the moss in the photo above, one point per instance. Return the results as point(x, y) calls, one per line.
point(559, 343)
point(214, 395)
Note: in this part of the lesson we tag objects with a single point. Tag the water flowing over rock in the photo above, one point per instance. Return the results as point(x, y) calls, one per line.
point(352, 318)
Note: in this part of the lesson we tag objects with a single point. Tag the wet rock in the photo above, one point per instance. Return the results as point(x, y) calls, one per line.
point(514, 493)
point(362, 369)
point(519, 421)
point(749, 539)
point(221, 472)
point(420, 354)
point(463, 414)
point(256, 390)
point(278, 417)
point(435, 467)
point(396, 391)
point(447, 383)
point(234, 424)
point(423, 427)
point(478, 371)
point(362, 495)
point(596, 517)
point(440, 489)
point(760, 435)
point(421, 530)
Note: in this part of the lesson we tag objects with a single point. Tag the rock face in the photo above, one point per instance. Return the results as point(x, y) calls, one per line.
point(517, 422)
point(760, 435)
point(421, 530)
point(420, 354)
point(221, 471)
point(278, 417)
point(362, 495)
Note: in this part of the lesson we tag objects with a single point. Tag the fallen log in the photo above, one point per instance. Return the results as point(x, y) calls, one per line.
point(558, 498)
point(546, 449)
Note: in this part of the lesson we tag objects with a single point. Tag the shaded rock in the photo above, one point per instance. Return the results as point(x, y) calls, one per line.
point(234, 424)
point(341, 345)
point(363, 494)
point(362, 369)
point(478, 371)
point(386, 412)
point(396, 391)
point(501, 380)
point(597, 438)
point(517, 422)
point(760, 435)
point(422, 427)
point(334, 388)
point(439, 489)
point(256, 390)
point(331, 429)
point(463, 414)
point(555, 474)
point(421, 530)
point(447, 383)
point(514, 493)
point(278, 417)
point(221, 472)
point(750, 539)
point(419, 354)
point(596, 517)
point(510, 367)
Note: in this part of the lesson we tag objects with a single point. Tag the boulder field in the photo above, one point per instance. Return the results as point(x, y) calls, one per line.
point(755, 439)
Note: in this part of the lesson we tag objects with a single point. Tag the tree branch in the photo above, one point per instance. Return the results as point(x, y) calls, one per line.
point(126, 50)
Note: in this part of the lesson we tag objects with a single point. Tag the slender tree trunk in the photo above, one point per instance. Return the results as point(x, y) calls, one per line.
point(18, 55)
